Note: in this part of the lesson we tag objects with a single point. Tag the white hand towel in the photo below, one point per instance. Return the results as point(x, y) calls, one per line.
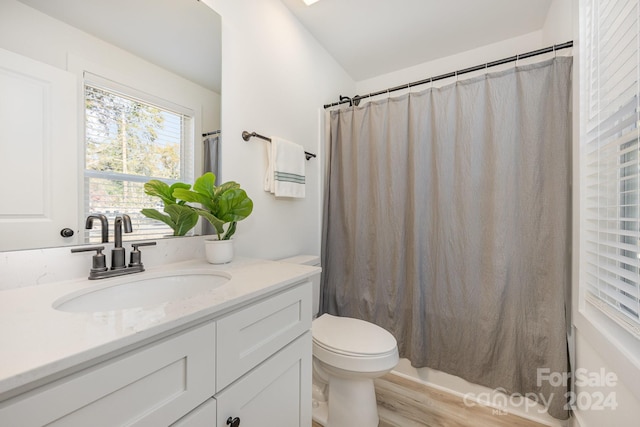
point(286, 170)
point(268, 176)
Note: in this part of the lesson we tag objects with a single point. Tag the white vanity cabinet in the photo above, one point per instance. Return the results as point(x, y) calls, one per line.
point(251, 363)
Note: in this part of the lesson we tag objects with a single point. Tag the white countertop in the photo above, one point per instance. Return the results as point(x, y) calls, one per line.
point(37, 341)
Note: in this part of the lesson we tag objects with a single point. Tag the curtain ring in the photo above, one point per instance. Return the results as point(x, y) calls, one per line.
point(517, 57)
point(555, 52)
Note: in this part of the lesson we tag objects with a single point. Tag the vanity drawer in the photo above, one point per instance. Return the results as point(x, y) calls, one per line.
point(248, 336)
point(151, 386)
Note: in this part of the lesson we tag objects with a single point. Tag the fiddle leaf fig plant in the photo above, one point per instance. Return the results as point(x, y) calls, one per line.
point(179, 216)
point(223, 204)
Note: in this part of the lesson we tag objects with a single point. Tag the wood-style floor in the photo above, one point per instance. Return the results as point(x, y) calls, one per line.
point(406, 403)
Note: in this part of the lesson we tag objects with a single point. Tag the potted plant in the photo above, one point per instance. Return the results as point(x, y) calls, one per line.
point(179, 216)
point(223, 206)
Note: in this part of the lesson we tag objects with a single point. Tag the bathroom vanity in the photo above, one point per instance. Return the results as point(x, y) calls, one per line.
point(238, 354)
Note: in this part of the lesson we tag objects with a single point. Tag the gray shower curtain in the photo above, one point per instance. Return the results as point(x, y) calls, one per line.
point(447, 222)
point(211, 164)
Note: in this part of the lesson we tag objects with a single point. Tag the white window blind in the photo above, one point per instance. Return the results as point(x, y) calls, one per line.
point(609, 138)
point(128, 142)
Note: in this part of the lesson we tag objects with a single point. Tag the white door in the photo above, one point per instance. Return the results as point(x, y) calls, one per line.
point(38, 153)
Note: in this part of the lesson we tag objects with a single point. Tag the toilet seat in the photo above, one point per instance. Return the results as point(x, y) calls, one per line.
point(351, 337)
point(350, 353)
point(353, 344)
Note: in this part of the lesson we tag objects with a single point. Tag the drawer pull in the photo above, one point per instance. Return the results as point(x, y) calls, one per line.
point(233, 422)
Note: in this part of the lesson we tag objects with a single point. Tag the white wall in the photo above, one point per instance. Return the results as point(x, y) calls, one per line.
point(451, 63)
point(559, 25)
point(557, 29)
point(610, 364)
point(275, 79)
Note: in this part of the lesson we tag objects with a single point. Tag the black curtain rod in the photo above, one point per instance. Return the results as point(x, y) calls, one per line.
point(247, 136)
point(215, 132)
point(356, 99)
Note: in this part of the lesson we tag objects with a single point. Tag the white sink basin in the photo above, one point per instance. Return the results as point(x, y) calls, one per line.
point(147, 291)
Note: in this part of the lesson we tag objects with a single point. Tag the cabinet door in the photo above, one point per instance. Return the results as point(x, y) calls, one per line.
point(248, 336)
point(152, 386)
point(275, 394)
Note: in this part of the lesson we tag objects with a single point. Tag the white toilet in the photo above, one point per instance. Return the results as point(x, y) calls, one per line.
point(347, 355)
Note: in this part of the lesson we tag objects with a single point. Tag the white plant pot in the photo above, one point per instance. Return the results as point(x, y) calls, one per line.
point(218, 251)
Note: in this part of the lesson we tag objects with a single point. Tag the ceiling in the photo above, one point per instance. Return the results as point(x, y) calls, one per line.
point(374, 37)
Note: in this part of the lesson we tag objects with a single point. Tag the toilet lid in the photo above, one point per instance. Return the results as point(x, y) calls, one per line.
point(347, 335)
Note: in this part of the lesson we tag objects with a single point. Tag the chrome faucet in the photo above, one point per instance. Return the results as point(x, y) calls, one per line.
point(118, 266)
point(104, 223)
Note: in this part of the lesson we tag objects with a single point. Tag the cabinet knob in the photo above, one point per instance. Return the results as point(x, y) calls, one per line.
point(233, 422)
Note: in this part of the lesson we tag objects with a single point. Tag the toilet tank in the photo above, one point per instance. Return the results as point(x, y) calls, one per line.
point(315, 279)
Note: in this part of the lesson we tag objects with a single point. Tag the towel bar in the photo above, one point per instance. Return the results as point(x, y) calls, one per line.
point(215, 132)
point(247, 135)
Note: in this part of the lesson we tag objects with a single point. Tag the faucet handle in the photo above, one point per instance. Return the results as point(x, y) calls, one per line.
point(135, 255)
point(98, 249)
point(99, 262)
point(136, 245)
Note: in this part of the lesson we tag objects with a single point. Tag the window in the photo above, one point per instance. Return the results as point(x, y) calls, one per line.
point(611, 166)
point(129, 141)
